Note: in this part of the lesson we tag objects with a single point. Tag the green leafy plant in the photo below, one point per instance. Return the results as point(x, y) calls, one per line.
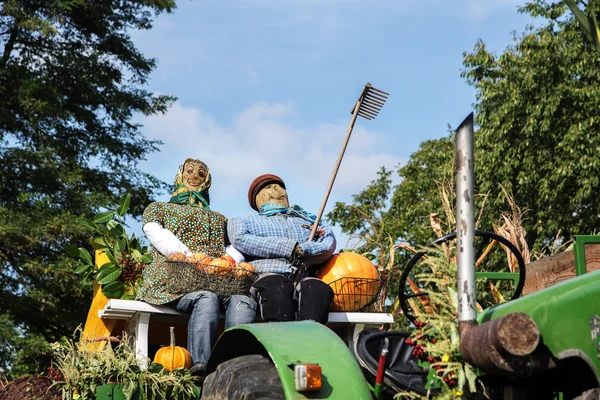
point(121, 276)
point(82, 370)
point(436, 340)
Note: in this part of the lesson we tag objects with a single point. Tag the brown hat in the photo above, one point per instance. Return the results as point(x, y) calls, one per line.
point(258, 184)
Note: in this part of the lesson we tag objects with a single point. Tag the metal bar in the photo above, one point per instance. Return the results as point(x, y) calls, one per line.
point(371, 106)
point(375, 112)
point(366, 106)
point(380, 91)
point(370, 103)
point(365, 111)
point(465, 224)
point(374, 109)
point(377, 101)
point(366, 116)
point(500, 276)
point(381, 369)
point(579, 247)
point(337, 165)
point(369, 99)
point(362, 95)
point(377, 95)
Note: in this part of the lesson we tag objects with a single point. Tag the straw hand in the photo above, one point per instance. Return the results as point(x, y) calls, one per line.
point(296, 255)
point(319, 233)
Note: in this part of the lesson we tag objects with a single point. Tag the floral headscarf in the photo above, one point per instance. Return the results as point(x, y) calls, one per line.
point(183, 195)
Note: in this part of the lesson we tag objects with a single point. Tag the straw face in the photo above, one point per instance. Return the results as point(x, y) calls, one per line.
point(371, 101)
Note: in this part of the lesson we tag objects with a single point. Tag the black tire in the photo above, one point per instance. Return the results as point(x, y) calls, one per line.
point(244, 378)
point(592, 394)
point(402, 294)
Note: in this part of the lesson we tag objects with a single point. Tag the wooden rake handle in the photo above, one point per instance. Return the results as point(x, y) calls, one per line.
point(367, 106)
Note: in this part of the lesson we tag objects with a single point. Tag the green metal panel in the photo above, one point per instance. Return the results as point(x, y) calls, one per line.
point(289, 343)
point(579, 247)
point(111, 392)
point(567, 314)
point(505, 276)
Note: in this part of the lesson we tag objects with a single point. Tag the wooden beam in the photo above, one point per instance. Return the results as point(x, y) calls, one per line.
point(551, 270)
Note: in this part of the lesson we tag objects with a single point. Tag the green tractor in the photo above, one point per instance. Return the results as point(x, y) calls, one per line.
point(545, 345)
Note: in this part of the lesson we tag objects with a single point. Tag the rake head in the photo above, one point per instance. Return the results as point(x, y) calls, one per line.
point(370, 102)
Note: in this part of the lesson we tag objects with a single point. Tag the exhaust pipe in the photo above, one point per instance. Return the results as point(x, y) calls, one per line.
point(500, 346)
point(465, 224)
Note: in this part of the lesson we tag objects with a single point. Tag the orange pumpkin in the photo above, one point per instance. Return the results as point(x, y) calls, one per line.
point(229, 258)
point(173, 357)
point(178, 256)
point(360, 285)
point(200, 258)
point(244, 270)
point(221, 266)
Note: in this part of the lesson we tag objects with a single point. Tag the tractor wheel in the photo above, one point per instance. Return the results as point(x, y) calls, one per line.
point(244, 378)
point(592, 394)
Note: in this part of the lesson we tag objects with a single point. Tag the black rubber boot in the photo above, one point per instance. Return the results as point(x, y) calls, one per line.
point(314, 300)
point(274, 294)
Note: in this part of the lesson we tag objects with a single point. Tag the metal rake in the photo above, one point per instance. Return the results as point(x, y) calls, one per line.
point(367, 106)
point(370, 102)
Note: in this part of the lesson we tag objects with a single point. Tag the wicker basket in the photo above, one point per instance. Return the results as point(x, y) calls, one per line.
point(355, 294)
point(186, 277)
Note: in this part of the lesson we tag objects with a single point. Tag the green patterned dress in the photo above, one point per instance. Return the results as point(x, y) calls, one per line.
point(200, 230)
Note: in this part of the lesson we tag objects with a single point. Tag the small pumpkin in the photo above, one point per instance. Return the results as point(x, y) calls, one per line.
point(221, 266)
point(173, 357)
point(178, 257)
point(244, 270)
point(360, 286)
point(202, 258)
point(229, 258)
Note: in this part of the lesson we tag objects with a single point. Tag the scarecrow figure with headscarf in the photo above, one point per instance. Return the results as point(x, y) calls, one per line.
point(187, 225)
point(276, 243)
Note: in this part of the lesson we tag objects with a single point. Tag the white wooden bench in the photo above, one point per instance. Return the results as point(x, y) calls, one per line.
point(137, 316)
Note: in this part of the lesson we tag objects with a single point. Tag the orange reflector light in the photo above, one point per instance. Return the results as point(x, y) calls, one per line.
point(308, 377)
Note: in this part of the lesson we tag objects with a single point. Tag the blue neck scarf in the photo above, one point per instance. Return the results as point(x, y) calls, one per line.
point(269, 209)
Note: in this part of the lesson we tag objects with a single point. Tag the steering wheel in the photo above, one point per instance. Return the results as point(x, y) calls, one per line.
point(519, 278)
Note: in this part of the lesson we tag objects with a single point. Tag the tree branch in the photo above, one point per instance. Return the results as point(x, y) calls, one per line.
point(8, 48)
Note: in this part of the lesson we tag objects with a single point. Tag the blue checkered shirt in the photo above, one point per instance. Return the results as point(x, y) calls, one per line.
point(268, 241)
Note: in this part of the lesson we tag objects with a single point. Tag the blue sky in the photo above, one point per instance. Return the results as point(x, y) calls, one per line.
point(266, 86)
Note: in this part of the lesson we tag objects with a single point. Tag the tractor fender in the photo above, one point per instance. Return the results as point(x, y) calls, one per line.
point(289, 343)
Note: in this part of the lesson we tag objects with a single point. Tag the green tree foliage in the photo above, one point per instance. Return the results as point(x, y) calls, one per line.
point(537, 111)
point(587, 18)
point(70, 82)
point(404, 214)
point(537, 135)
point(365, 215)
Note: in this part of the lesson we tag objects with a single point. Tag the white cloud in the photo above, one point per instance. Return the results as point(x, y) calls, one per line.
point(261, 139)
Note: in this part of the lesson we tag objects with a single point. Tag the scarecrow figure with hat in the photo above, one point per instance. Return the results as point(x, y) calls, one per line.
point(187, 225)
point(276, 243)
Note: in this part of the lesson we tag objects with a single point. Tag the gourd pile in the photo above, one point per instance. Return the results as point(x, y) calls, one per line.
point(224, 265)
